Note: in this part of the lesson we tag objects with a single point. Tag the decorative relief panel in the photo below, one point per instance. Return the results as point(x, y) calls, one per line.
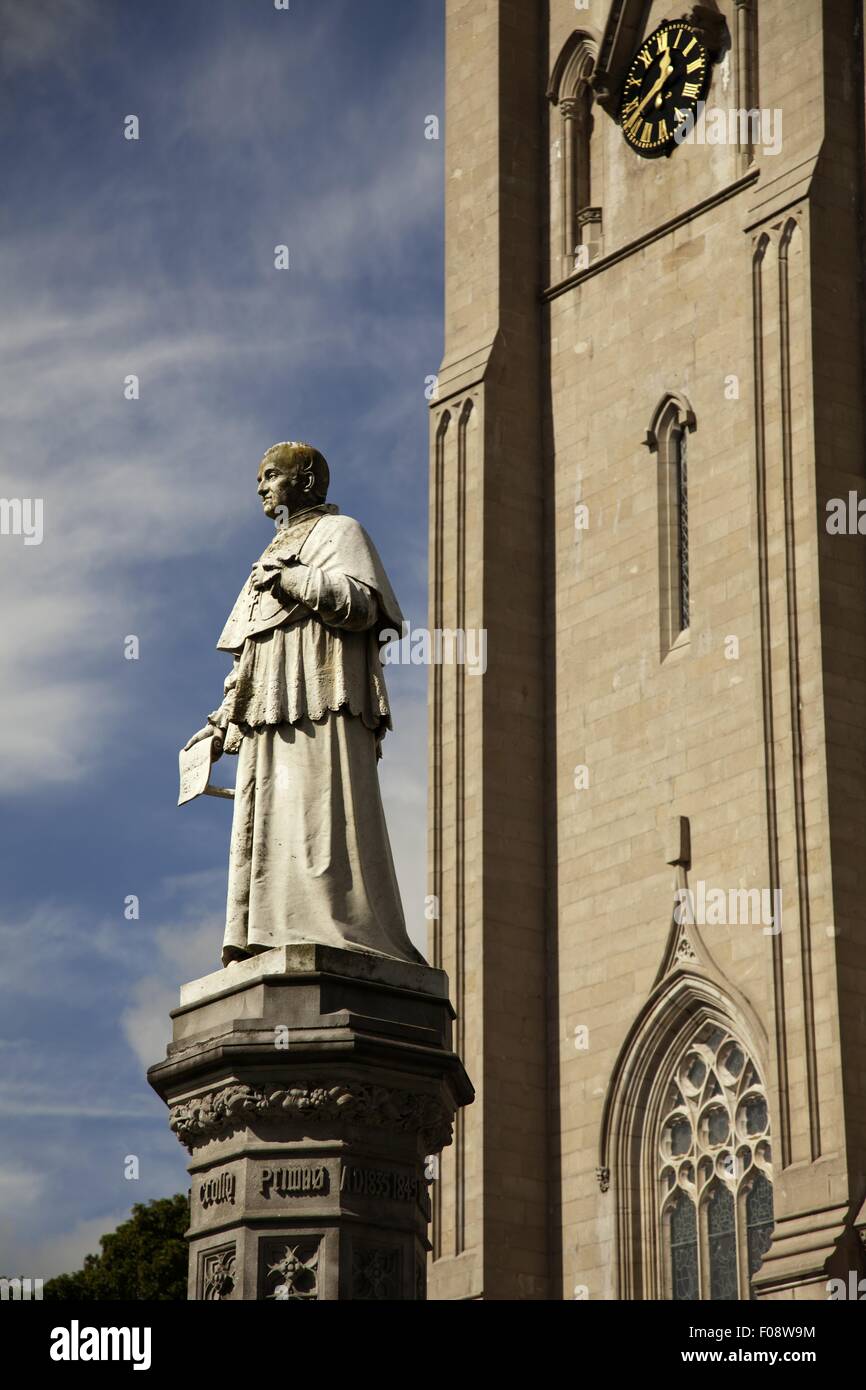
point(217, 1269)
point(290, 1271)
point(376, 1273)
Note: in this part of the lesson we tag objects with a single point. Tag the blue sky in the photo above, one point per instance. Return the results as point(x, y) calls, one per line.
point(155, 257)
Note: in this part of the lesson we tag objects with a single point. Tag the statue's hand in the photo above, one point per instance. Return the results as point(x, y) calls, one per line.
point(293, 575)
point(208, 732)
point(264, 573)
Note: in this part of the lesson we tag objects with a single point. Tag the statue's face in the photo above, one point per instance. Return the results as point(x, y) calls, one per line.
point(281, 484)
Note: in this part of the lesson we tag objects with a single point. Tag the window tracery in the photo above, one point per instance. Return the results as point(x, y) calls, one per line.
point(714, 1170)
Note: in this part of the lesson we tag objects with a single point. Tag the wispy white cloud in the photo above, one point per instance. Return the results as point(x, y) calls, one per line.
point(19, 1187)
point(368, 181)
point(66, 1252)
point(59, 1254)
point(54, 945)
point(184, 951)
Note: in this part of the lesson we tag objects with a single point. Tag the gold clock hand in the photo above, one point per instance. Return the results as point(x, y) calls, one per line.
point(667, 68)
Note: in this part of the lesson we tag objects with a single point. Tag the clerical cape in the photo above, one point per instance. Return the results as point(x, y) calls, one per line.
point(306, 708)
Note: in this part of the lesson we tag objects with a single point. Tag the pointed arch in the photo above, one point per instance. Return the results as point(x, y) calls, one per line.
point(570, 92)
point(672, 421)
point(575, 63)
point(691, 1003)
point(673, 411)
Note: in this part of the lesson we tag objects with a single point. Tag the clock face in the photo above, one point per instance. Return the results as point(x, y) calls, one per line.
point(669, 76)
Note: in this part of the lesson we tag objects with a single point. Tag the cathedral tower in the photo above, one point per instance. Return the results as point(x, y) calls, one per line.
point(647, 838)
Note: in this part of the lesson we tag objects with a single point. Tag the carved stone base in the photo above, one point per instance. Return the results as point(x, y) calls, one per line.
point(310, 1085)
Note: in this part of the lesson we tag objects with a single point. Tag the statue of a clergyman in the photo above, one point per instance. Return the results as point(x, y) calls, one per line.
point(306, 709)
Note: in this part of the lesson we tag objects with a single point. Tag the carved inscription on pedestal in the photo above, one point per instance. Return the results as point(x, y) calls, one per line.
point(217, 1189)
point(383, 1183)
point(295, 1180)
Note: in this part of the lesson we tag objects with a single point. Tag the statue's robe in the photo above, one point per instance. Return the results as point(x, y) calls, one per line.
point(306, 709)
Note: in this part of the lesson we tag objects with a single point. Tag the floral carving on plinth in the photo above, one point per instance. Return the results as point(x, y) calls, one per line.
point(218, 1112)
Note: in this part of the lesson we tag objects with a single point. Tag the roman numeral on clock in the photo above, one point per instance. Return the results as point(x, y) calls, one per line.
point(691, 89)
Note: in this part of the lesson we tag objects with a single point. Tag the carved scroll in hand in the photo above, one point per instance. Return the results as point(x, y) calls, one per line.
point(195, 765)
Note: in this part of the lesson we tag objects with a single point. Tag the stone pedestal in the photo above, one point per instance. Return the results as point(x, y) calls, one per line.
point(310, 1086)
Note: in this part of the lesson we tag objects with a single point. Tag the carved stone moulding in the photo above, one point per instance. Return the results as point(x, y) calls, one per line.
point(199, 1119)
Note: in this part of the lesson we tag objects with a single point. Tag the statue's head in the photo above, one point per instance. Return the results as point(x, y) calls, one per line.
point(292, 476)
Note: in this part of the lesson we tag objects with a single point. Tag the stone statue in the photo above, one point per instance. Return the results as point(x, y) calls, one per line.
point(306, 710)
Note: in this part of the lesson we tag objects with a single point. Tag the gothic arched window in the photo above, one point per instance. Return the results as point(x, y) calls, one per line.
point(679, 471)
point(572, 184)
point(714, 1167)
point(667, 437)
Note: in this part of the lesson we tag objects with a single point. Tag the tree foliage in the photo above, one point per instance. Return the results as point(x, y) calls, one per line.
point(144, 1259)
